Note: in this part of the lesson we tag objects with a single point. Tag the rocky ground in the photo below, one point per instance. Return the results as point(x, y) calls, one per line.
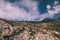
point(44, 30)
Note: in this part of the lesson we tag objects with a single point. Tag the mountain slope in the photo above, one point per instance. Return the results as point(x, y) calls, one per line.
point(48, 29)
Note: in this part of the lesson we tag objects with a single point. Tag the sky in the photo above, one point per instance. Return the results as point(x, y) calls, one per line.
point(29, 10)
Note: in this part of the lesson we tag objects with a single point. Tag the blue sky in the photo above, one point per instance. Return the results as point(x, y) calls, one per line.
point(43, 4)
point(29, 10)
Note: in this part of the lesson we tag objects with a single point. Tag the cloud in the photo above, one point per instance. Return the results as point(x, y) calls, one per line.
point(56, 9)
point(25, 10)
point(12, 12)
point(48, 6)
point(56, 2)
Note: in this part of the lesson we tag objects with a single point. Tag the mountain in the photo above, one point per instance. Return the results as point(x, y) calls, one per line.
point(47, 29)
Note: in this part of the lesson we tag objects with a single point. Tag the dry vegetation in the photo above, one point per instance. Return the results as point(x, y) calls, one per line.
point(47, 29)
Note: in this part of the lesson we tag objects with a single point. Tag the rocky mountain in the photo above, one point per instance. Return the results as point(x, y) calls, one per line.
point(47, 29)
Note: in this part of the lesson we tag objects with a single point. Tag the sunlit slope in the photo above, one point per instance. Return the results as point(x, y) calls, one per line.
point(48, 27)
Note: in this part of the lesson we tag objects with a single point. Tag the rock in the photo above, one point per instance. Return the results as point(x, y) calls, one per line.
point(28, 31)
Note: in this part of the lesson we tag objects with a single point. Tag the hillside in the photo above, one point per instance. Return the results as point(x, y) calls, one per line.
point(47, 29)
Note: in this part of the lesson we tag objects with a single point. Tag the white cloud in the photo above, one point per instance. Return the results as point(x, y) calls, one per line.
point(8, 11)
point(56, 2)
point(12, 11)
point(55, 11)
point(48, 6)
